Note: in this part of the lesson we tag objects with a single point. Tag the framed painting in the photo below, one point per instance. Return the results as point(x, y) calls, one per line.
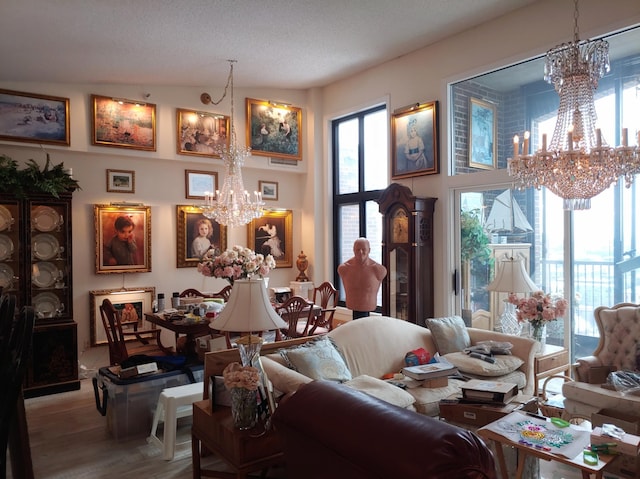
point(196, 235)
point(268, 189)
point(414, 136)
point(121, 181)
point(274, 129)
point(123, 123)
point(272, 234)
point(197, 183)
point(133, 303)
point(482, 134)
point(34, 118)
point(123, 238)
point(201, 133)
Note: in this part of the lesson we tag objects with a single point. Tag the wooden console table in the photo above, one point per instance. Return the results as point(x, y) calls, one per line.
point(241, 450)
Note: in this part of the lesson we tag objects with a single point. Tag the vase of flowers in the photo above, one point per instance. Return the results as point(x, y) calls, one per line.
point(242, 383)
point(538, 310)
point(235, 263)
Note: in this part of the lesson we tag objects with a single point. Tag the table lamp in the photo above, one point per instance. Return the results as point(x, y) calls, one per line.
point(511, 277)
point(248, 310)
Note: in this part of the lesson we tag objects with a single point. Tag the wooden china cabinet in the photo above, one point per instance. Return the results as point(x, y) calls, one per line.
point(407, 253)
point(36, 267)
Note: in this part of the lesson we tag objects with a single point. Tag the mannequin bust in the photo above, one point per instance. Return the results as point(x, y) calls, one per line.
point(362, 278)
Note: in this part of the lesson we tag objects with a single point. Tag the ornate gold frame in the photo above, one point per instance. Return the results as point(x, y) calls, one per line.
point(282, 219)
point(187, 215)
point(123, 123)
point(191, 123)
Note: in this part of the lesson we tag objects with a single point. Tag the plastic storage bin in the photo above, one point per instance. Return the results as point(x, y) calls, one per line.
point(129, 404)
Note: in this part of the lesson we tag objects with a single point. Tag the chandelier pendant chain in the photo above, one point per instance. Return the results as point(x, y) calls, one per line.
point(232, 205)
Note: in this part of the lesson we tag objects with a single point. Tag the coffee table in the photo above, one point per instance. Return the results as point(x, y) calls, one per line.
point(527, 450)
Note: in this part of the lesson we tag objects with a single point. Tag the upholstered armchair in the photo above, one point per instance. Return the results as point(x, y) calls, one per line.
point(618, 349)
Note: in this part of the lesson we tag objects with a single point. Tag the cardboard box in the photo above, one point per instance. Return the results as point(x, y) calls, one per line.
point(627, 467)
point(627, 444)
point(441, 382)
point(628, 422)
point(455, 410)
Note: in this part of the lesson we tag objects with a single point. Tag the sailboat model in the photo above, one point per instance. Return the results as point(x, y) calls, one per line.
point(506, 216)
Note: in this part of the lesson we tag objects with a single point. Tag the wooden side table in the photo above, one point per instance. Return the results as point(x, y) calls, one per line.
point(243, 451)
point(552, 360)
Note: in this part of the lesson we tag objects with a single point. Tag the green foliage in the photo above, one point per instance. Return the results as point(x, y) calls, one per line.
point(473, 238)
point(52, 180)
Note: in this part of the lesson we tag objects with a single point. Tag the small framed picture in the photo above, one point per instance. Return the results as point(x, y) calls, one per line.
point(201, 133)
point(415, 141)
point(121, 181)
point(123, 123)
point(272, 234)
point(482, 134)
point(34, 118)
point(274, 129)
point(123, 239)
point(196, 235)
point(197, 183)
point(269, 189)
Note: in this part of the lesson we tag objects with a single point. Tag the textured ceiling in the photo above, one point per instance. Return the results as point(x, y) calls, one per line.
point(293, 44)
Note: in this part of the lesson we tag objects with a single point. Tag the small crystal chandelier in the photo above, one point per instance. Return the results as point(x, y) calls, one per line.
point(578, 164)
point(232, 205)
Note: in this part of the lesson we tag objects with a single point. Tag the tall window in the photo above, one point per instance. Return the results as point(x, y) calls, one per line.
point(360, 165)
point(590, 257)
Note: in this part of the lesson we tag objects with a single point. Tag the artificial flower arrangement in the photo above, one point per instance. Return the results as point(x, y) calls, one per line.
point(235, 263)
point(539, 308)
point(237, 376)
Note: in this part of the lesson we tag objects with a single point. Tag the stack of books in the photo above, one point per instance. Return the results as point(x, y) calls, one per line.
point(432, 374)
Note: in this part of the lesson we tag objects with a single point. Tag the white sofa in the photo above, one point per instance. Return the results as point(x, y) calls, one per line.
point(375, 346)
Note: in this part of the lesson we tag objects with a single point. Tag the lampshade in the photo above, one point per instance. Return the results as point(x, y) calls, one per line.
point(512, 277)
point(248, 309)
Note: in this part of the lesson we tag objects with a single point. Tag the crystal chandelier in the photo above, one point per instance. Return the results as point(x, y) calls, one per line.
point(578, 164)
point(232, 205)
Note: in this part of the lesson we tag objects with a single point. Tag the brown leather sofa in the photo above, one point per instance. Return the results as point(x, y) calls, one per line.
point(330, 430)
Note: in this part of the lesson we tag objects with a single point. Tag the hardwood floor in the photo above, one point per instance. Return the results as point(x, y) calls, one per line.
point(70, 440)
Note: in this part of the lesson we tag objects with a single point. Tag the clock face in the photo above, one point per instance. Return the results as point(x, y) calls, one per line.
point(400, 227)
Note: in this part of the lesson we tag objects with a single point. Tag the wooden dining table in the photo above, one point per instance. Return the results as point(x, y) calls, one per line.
point(187, 327)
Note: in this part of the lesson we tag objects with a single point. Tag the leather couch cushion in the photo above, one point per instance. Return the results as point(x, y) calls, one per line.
point(382, 390)
point(504, 364)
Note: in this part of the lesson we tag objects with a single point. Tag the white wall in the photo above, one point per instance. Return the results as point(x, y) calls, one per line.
point(417, 77)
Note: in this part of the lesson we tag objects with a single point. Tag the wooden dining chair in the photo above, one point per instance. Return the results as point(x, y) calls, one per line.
point(224, 293)
point(325, 296)
point(296, 312)
point(123, 344)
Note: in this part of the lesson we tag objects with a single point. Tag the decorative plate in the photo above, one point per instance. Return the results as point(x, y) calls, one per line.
point(44, 246)
point(45, 218)
point(6, 247)
point(6, 219)
point(6, 276)
point(46, 305)
point(44, 274)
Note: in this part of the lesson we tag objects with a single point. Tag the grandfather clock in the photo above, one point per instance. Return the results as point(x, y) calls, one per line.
point(407, 253)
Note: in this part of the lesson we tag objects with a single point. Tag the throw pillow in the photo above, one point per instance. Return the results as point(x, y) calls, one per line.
point(382, 390)
point(450, 334)
point(504, 364)
point(318, 359)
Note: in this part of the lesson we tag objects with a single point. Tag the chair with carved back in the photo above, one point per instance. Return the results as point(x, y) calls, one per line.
point(123, 344)
point(16, 332)
point(296, 312)
point(325, 296)
point(224, 293)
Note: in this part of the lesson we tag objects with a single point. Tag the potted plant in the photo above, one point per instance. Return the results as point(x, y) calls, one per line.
point(53, 180)
point(474, 253)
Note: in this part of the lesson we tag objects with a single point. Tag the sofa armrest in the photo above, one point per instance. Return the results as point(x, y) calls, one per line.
point(283, 379)
point(524, 348)
point(590, 369)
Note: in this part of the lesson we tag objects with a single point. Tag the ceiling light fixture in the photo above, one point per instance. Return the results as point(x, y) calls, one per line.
point(232, 205)
point(578, 164)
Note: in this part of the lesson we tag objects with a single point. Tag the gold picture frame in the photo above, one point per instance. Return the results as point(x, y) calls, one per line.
point(482, 134)
point(272, 234)
point(121, 123)
point(198, 182)
point(201, 133)
point(274, 129)
point(189, 249)
point(141, 299)
point(114, 253)
point(121, 181)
